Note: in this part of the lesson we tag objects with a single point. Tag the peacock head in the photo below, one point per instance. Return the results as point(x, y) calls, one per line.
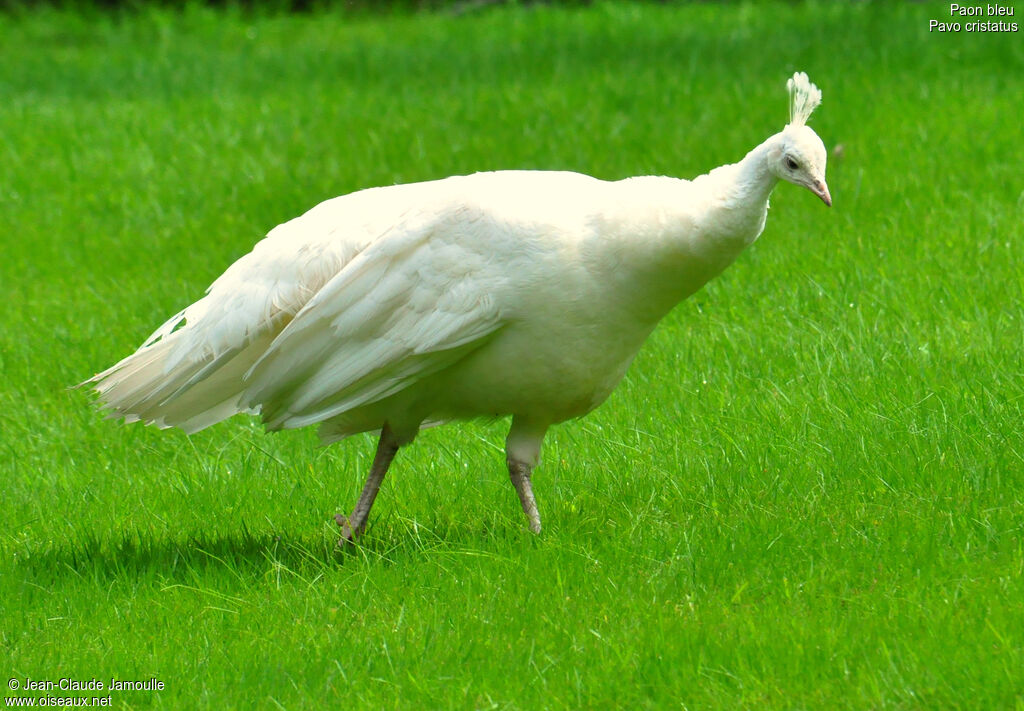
point(799, 156)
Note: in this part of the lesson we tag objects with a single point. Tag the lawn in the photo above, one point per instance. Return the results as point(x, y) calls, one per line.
point(806, 494)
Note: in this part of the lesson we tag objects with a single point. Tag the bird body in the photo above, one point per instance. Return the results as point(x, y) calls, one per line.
point(507, 293)
point(513, 292)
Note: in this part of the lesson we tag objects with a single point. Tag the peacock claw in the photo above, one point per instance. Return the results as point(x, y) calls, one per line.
point(347, 535)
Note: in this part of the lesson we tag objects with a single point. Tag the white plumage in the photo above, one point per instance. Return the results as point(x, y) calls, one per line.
point(509, 293)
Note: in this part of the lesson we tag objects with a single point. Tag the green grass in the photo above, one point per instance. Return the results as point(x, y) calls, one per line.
point(807, 493)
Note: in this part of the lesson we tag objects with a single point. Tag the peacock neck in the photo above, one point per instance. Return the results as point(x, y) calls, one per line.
point(744, 187)
point(736, 196)
point(734, 200)
point(755, 180)
point(702, 226)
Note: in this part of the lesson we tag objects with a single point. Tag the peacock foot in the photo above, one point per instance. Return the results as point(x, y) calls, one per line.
point(348, 535)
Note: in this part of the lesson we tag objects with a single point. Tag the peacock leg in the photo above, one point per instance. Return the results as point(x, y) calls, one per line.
point(522, 452)
point(353, 526)
point(519, 472)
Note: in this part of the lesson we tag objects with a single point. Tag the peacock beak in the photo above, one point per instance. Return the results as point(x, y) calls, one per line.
point(821, 190)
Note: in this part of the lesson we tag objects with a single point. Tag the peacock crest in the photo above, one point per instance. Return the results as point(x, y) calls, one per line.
point(804, 97)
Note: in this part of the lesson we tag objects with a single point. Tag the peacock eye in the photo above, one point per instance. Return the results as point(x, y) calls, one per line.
point(791, 164)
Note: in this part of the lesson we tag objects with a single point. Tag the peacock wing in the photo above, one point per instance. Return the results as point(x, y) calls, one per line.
point(404, 308)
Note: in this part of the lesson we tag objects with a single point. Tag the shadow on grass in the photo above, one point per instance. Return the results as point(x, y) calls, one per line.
point(250, 557)
point(139, 556)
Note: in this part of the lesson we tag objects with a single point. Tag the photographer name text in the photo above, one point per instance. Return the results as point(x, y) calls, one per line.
point(151, 684)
